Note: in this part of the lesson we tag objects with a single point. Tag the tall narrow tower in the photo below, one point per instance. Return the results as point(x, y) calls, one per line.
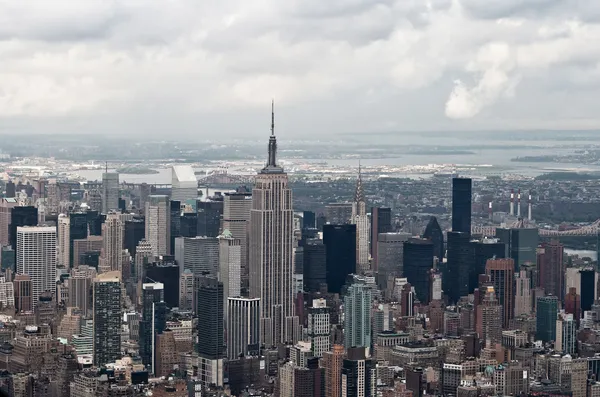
point(271, 250)
point(361, 220)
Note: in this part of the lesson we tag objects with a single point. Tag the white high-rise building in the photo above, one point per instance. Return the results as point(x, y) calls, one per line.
point(110, 191)
point(357, 314)
point(363, 227)
point(36, 257)
point(271, 242)
point(63, 247)
point(158, 224)
point(236, 218)
point(7, 293)
point(243, 326)
point(111, 257)
point(230, 260)
point(319, 327)
point(199, 254)
point(184, 184)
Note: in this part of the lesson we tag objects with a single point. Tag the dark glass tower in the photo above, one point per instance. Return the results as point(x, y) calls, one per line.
point(340, 251)
point(167, 273)
point(210, 318)
point(209, 217)
point(588, 289)
point(95, 221)
point(381, 222)
point(482, 251)
point(78, 229)
point(309, 220)
point(547, 307)
point(11, 190)
point(107, 318)
point(135, 231)
point(359, 377)
point(461, 205)
point(21, 216)
point(175, 223)
point(459, 267)
point(189, 224)
point(154, 318)
point(418, 262)
point(433, 232)
point(315, 265)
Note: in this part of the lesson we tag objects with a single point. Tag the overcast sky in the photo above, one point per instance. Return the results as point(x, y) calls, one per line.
point(210, 68)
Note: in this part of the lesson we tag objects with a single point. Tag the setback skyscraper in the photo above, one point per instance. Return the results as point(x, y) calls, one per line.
point(361, 220)
point(110, 191)
point(107, 318)
point(461, 205)
point(271, 250)
point(158, 224)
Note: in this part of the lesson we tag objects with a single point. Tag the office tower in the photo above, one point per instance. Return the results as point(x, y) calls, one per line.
point(210, 330)
point(511, 379)
point(489, 317)
point(433, 232)
point(459, 267)
point(158, 224)
point(23, 293)
point(93, 198)
point(184, 184)
point(21, 216)
point(110, 191)
point(86, 246)
point(63, 251)
point(143, 255)
point(340, 250)
point(270, 253)
point(230, 263)
point(186, 290)
point(209, 216)
point(6, 206)
point(315, 265)
point(10, 191)
point(572, 304)
point(407, 300)
point(461, 205)
point(588, 289)
point(390, 254)
point(175, 208)
point(243, 327)
point(319, 327)
point(359, 374)
point(551, 268)
point(357, 314)
point(166, 272)
point(521, 244)
point(522, 294)
point(418, 262)
point(333, 362)
point(566, 330)
point(80, 287)
point(501, 273)
point(153, 322)
point(199, 254)
point(135, 231)
point(7, 293)
point(414, 379)
point(188, 224)
point(301, 380)
point(381, 222)
point(167, 356)
point(547, 307)
point(236, 217)
point(36, 257)
point(107, 318)
point(338, 213)
point(361, 220)
point(111, 257)
point(95, 221)
point(78, 230)
point(309, 220)
point(483, 250)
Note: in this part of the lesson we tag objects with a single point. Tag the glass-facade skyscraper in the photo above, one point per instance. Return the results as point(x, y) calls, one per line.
point(461, 205)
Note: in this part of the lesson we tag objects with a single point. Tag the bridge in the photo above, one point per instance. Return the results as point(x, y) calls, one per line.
point(583, 231)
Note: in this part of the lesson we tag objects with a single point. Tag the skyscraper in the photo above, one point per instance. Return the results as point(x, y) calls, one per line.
point(230, 262)
point(36, 257)
point(186, 290)
point(359, 374)
point(489, 317)
point(188, 224)
point(381, 222)
point(588, 288)
point(357, 314)
point(483, 250)
point(211, 347)
point(547, 307)
point(243, 326)
point(315, 265)
point(523, 293)
point(111, 257)
point(63, 241)
point(209, 212)
point(361, 220)
point(521, 244)
point(319, 327)
point(110, 191)
point(158, 224)
point(175, 217)
point(135, 231)
point(153, 322)
point(236, 217)
point(572, 304)
point(460, 265)
point(199, 254)
point(271, 250)
point(551, 268)
point(184, 184)
point(418, 262)
point(461, 205)
point(566, 329)
point(433, 232)
point(107, 318)
point(23, 290)
point(340, 251)
point(333, 362)
point(78, 230)
point(501, 272)
point(6, 206)
point(166, 272)
point(21, 216)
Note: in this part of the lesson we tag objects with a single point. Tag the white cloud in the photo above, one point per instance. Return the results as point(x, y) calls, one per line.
point(184, 61)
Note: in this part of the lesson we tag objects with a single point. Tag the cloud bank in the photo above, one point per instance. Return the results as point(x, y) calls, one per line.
point(190, 67)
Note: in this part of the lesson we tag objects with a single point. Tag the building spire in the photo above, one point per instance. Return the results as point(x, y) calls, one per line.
point(359, 196)
point(272, 141)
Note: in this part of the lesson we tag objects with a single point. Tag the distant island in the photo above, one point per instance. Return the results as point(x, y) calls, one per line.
point(136, 170)
point(567, 176)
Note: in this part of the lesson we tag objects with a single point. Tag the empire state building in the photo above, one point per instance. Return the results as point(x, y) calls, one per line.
point(271, 250)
